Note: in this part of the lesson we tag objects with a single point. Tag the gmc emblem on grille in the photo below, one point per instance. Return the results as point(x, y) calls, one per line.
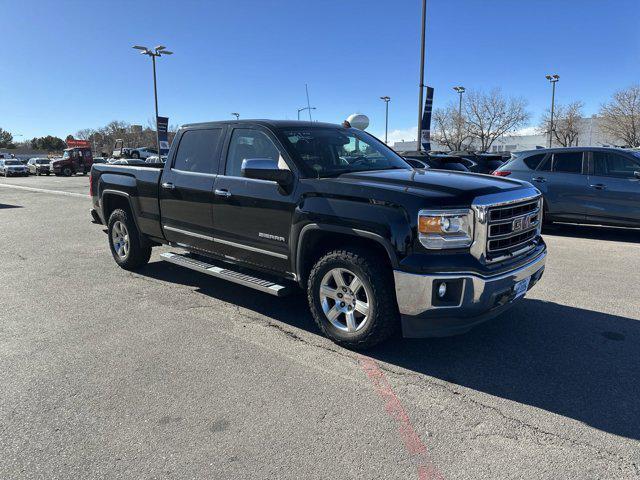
point(523, 223)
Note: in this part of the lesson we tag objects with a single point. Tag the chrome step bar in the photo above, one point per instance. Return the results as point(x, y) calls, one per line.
point(267, 286)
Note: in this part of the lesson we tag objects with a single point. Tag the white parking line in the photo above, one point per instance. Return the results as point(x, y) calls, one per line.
point(44, 190)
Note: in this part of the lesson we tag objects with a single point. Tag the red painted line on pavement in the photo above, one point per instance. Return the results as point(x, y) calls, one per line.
point(392, 405)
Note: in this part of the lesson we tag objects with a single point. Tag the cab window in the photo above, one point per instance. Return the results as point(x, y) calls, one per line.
point(197, 151)
point(247, 143)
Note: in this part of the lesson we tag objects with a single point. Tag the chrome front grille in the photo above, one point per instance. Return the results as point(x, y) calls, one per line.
point(512, 229)
point(507, 224)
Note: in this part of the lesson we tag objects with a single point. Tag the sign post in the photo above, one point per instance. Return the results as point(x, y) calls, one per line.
point(163, 135)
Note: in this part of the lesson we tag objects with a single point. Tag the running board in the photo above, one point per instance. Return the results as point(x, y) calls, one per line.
point(267, 286)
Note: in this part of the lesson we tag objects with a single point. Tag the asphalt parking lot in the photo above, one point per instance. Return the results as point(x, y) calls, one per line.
point(166, 373)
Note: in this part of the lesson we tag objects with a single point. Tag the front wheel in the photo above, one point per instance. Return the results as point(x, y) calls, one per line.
point(67, 172)
point(351, 297)
point(124, 241)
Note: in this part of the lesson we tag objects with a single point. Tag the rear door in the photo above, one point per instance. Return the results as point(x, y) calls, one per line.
point(186, 188)
point(563, 181)
point(614, 189)
point(252, 218)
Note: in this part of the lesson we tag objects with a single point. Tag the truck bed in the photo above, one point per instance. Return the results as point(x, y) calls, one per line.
point(138, 185)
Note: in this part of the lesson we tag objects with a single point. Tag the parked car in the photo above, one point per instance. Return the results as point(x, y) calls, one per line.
point(375, 243)
point(596, 185)
point(433, 160)
point(39, 166)
point(143, 152)
point(482, 162)
point(13, 167)
point(155, 159)
point(128, 161)
point(74, 160)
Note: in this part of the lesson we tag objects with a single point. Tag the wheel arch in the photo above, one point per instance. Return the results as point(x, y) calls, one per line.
point(317, 239)
point(114, 199)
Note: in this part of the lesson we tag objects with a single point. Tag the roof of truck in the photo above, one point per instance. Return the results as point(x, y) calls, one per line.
point(265, 122)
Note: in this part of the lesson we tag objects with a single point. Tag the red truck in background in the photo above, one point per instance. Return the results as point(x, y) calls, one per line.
point(75, 159)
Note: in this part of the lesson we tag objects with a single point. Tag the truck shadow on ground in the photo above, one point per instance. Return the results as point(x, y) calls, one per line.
point(577, 363)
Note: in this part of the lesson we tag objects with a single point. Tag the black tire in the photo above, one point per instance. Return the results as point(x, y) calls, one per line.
point(135, 155)
point(48, 174)
point(377, 278)
point(138, 254)
point(67, 172)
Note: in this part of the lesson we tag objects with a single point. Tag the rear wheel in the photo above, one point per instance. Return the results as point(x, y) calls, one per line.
point(135, 155)
point(124, 241)
point(351, 296)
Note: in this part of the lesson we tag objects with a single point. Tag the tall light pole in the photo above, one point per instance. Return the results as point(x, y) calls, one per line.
point(460, 89)
point(305, 108)
point(236, 114)
point(156, 52)
point(424, 22)
point(553, 79)
point(386, 100)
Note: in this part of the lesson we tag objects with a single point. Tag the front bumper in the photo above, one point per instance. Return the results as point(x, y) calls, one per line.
point(474, 298)
point(17, 173)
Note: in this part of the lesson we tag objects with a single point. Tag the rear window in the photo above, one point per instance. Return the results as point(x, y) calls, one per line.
point(197, 151)
point(534, 160)
point(567, 162)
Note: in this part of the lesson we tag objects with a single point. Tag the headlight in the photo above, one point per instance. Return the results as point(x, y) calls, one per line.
point(438, 229)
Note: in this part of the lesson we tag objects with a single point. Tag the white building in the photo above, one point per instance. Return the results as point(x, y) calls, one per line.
point(590, 135)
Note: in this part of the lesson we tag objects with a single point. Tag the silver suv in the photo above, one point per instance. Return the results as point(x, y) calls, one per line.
point(596, 185)
point(11, 167)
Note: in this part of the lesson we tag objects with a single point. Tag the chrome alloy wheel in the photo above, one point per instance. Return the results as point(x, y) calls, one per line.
point(120, 239)
point(345, 300)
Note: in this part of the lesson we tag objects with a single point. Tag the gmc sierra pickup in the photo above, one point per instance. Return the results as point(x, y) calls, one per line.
point(376, 244)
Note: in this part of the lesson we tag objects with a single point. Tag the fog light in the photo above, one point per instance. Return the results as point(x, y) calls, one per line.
point(442, 290)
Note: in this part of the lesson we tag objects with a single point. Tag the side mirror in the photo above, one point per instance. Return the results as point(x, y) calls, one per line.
point(266, 169)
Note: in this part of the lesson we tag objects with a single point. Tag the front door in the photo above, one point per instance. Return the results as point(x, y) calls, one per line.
point(614, 189)
point(186, 188)
point(252, 218)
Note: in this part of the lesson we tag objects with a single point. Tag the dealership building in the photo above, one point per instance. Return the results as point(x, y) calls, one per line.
point(590, 135)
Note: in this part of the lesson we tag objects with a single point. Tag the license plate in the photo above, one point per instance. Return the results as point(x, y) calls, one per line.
point(521, 287)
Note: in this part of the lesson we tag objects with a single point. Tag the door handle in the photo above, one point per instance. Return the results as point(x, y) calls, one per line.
point(599, 186)
point(539, 179)
point(222, 193)
point(168, 185)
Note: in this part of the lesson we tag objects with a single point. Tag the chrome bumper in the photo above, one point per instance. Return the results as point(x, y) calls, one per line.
point(479, 298)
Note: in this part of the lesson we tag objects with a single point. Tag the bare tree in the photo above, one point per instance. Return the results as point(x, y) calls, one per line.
point(567, 123)
point(491, 115)
point(620, 118)
point(450, 129)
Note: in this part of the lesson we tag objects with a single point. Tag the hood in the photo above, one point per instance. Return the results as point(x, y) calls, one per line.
point(447, 186)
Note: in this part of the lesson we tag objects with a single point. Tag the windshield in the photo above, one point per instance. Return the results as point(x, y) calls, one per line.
point(12, 162)
point(42, 160)
point(332, 151)
point(65, 154)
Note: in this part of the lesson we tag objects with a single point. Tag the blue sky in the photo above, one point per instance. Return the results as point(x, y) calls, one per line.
point(69, 65)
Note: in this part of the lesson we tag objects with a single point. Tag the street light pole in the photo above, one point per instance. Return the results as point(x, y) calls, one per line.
point(553, 79)
point(460, 89)
point(386, 100)
point(305, 108)
point(156, 52)
point(424, 21)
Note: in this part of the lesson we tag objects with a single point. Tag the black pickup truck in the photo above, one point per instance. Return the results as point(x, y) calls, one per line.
point(376, 244)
